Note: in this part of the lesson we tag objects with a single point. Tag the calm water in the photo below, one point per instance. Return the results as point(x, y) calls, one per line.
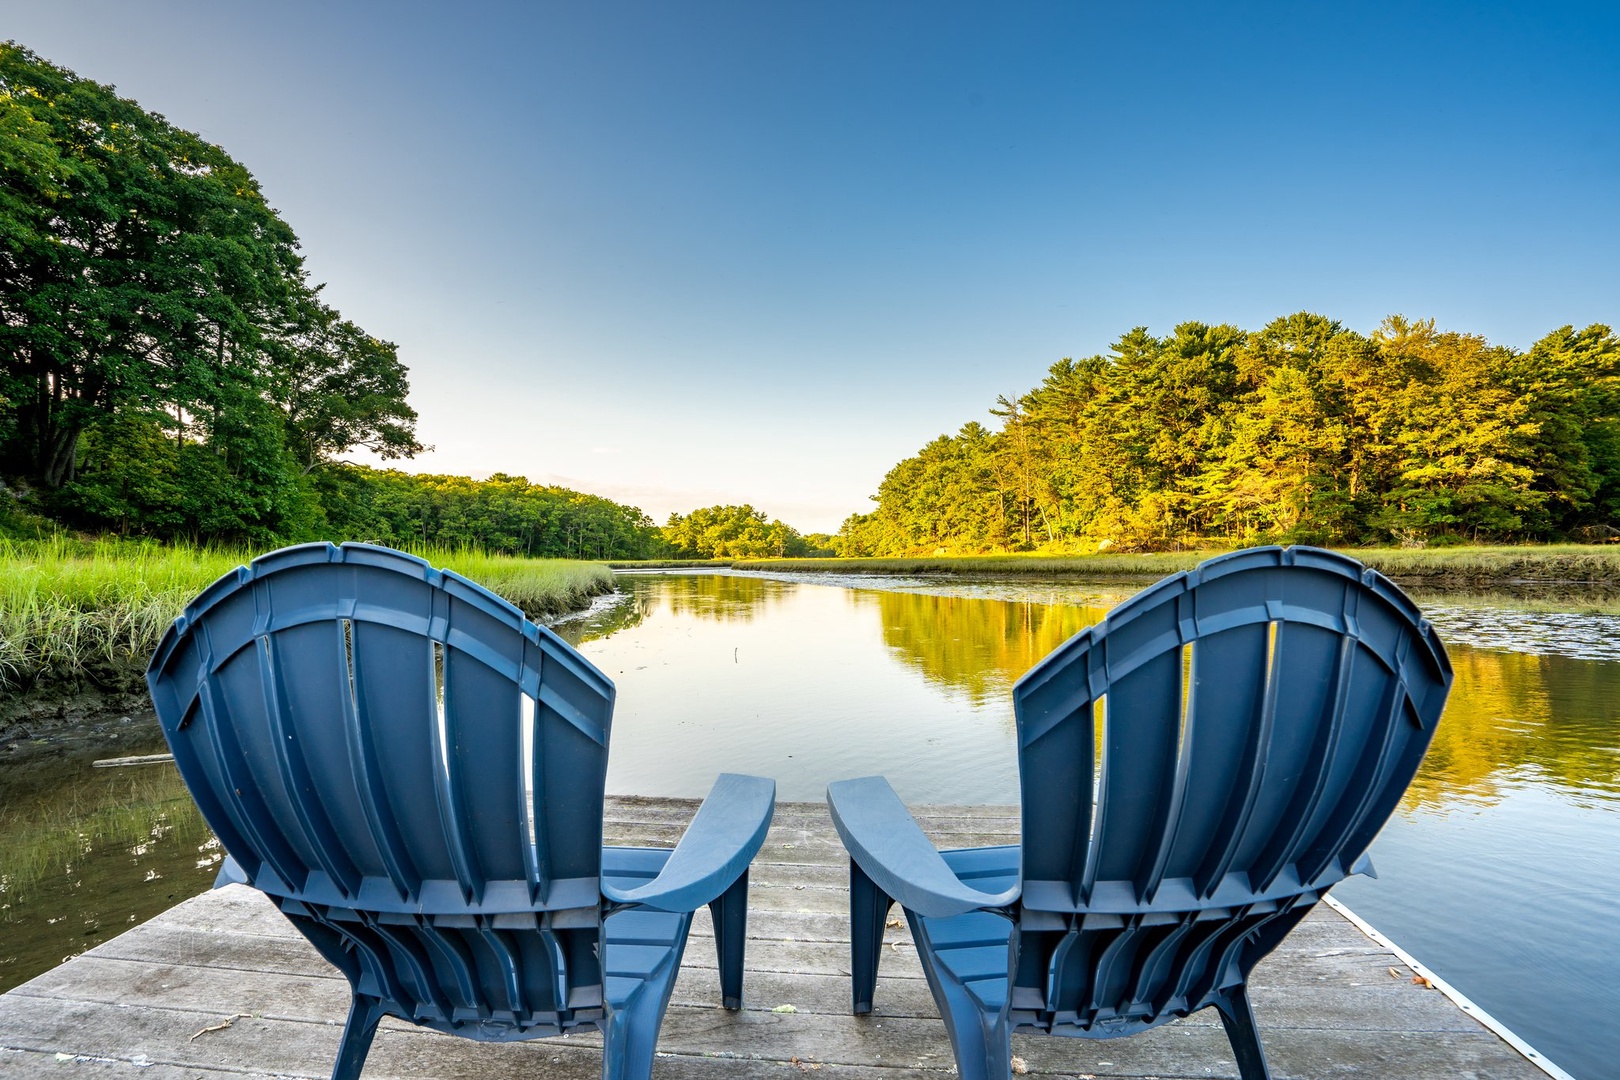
point(1501, 870)
point(1511, 834)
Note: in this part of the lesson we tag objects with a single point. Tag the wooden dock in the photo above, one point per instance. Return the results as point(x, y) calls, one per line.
point(222, 985)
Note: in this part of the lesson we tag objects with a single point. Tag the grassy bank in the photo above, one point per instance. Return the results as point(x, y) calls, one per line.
point(1462, 566)
point(77, 613)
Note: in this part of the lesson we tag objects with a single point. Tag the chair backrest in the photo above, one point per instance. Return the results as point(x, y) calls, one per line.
point(364, 731)
point(1204, 762)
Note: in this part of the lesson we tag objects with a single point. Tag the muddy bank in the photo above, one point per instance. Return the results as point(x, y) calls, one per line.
point(69, 726)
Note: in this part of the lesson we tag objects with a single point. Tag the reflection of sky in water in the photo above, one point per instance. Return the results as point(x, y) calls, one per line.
point(1500, 869)
point(1512, 900)
point(799, 687)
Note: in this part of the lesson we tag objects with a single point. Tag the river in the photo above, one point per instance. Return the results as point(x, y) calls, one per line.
point(1499, 870)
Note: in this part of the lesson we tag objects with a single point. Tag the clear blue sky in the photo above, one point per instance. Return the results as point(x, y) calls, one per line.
point(684, 253)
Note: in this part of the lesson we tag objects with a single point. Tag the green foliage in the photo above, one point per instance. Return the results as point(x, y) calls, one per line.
point(504, 514)
point(720, 532)
point(166, 367)
point(75, 612)
point(1303, 431)
point(169, 370)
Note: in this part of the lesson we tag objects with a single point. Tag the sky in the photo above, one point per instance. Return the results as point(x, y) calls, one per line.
point(680, 254)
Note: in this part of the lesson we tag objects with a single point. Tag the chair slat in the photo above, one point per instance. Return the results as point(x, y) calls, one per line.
point(299, 789)
point(249, 810)
point(367, 771)
point(1247, 779)
point(449, 780)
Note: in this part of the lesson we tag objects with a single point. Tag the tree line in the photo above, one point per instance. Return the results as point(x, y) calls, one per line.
point(168, 369)
point(1303, 431)
point(168, 366)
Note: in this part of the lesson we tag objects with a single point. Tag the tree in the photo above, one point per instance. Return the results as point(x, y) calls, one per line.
point(341, 388)
point(720, 532)
point(1302, 431)
point(138, 261)
point(151, 300)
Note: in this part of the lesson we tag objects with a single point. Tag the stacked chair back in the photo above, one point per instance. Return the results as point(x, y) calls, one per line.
point(1198, 768)
point(414, 773)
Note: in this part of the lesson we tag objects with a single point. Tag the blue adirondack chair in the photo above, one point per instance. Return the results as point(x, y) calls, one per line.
point(1196, 770)
point(414, 773)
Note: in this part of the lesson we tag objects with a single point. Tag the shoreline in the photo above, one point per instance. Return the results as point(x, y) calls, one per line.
point(72, 714)
point(1548, 565)
point(1579, 579)
point(77, 625)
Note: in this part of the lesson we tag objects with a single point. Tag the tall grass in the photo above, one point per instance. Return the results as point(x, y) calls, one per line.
point(541, 587)
point(1460, 565)
point(76, 611)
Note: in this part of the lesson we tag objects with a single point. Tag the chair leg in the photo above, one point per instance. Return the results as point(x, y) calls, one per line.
point(630, 1036)
point(981, 1040)
point(730, 913)
point(1237, 1016)
point(868, 912)
point(364, 1013)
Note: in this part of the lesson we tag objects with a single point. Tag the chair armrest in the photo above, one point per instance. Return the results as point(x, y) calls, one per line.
point(885, 841)
point(714, 851)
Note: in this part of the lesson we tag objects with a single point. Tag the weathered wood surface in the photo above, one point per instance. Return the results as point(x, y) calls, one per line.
point(1327, 1003)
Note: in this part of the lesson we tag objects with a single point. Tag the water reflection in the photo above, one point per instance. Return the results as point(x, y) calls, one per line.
point(743, 673)
point(1514, 716)
point(89, 852)
point(724, 598)
point(1498, 871)
point(976, 646)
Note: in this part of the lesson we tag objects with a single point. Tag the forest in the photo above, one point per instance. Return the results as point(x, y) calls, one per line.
point(169, 370)
point(1303, 431)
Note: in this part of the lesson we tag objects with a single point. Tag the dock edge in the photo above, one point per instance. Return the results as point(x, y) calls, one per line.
point(1462, 1000)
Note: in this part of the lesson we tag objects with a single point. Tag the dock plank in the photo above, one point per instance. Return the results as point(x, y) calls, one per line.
point(1327, 1003)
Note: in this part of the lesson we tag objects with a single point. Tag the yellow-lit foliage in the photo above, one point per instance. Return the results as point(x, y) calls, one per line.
point(979, 647)
point(1510, 716)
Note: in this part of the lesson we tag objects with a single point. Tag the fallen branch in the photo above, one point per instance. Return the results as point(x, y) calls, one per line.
point(138, 759)
point(221, 1026)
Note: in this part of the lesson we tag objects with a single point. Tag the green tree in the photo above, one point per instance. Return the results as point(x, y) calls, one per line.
point(1302, 431)
point(138, 261)
point(340, 388)
point(151, 301)
point(720, 532)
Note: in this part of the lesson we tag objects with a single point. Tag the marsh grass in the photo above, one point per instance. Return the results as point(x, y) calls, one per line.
point(1149, 565)
point(92, 611)
point(1563, 563)
point(541, 587)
